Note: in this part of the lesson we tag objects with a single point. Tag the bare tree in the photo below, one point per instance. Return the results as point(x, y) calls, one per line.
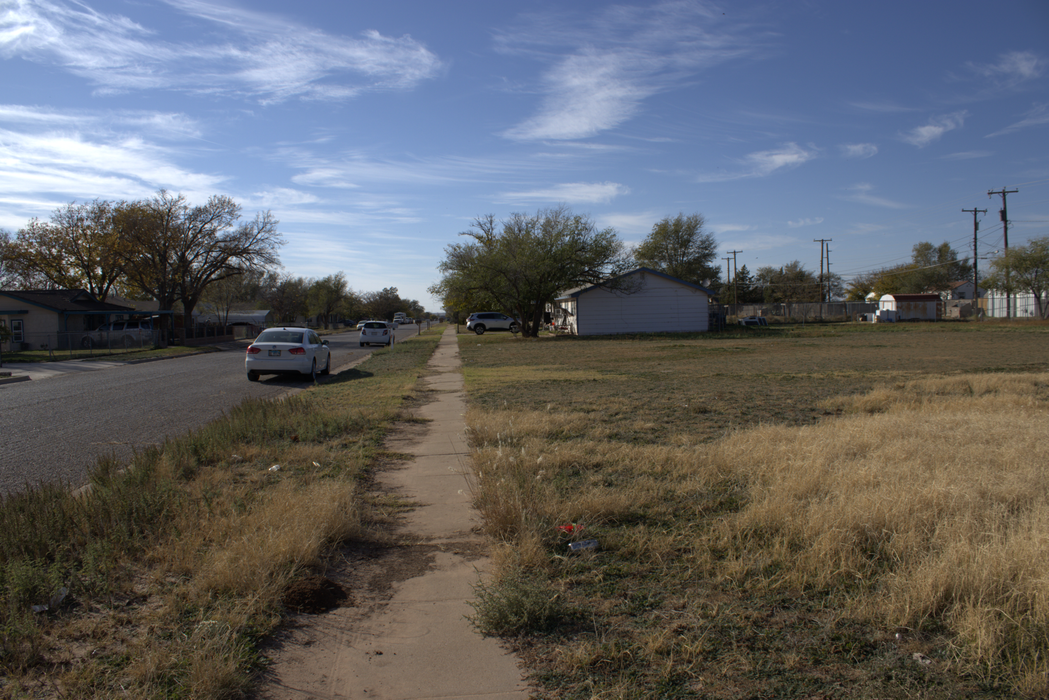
point(174, 250)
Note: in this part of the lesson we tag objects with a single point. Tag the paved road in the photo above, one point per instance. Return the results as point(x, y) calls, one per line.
point(56, 428)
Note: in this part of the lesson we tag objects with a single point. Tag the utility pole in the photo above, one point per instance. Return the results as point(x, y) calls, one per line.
point(735, 276)
point(976, 256)
point(1005, 233)
point(823, 243)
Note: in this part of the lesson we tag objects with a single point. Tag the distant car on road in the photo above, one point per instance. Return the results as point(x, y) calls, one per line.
point(377, 333)
point(120, 334)
point(491, 321)
point(287, 351)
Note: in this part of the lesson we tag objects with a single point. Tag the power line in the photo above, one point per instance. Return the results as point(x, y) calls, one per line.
point(1005, 235)
point(976, 249)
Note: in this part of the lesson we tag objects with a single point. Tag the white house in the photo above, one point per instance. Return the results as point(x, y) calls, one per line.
point(642, 301)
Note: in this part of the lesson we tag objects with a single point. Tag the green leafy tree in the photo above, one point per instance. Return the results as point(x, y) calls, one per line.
point(285, 296)
point(932, 268)
point(520, 265)
point(790, 284)
point(9, 276)
point(742, 284)
point(1024, 268)
point(681, 248)
point(383, 304)
point(326, 296)
point(78, 248)
point(935, 267)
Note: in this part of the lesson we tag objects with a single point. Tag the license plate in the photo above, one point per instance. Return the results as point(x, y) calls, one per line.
point(274, 353)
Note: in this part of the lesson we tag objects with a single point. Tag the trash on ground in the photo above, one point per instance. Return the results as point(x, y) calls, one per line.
point(582, 546)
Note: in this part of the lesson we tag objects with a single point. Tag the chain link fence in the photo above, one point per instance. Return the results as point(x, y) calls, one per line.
point(73, 345)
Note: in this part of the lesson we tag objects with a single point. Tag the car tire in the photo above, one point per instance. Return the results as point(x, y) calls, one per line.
point(479, 329)
point(87, 343)
point(362, 345)
point(253, 376)
point(128, 342)
point(327, 366)
point(514, 328)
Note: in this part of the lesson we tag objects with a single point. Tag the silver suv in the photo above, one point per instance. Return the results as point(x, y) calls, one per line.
point(491, 321)
point(120, 334)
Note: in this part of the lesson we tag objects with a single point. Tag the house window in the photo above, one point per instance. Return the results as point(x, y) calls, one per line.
point(17, 330)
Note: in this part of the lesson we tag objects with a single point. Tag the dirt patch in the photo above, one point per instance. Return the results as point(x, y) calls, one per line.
point(313, 594)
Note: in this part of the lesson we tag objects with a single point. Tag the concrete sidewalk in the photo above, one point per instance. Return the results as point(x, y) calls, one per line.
point(416, 643)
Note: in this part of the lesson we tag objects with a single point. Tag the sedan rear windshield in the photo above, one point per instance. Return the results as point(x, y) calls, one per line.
point(375, 324)
point(281, 336)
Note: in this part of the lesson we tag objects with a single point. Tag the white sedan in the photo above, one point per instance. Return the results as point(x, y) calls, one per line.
point(287, 351)
point(377, 333)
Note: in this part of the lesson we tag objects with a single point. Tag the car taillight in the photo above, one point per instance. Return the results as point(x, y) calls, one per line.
point(386, 332)
point(297, 351)
point(252, 350)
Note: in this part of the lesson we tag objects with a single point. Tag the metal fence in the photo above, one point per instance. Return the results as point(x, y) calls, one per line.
point(82, 344)
point(813, 312)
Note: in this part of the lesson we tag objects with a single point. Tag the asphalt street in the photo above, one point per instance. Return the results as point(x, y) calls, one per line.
point(55, 426)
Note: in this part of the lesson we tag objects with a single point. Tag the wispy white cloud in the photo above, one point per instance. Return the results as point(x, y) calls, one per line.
point(861, 193)
point(764, 163)
point(805, 222)
point(1012, 68)
point(602, 72)
point(881, 107)
point(968, 155)
point(49, 154)
point(1038, 116)
point(349, 170)
point(938, 126)
point(858, 150)
point(265, 57)
point(630, 224)
point(571, 193)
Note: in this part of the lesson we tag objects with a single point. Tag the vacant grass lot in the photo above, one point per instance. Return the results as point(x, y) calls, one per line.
point(812, 512)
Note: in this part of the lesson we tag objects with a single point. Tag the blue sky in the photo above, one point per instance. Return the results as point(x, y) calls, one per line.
point(377, 131)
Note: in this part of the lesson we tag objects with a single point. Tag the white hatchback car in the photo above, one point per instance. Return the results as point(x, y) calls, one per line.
point(377, 333)
point(287, 351)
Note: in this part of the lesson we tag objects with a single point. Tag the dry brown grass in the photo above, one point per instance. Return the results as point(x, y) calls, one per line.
point(172, 602)
point(782, 555)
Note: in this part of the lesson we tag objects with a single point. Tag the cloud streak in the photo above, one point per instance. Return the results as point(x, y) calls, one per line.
point(1012, 68)
point(571, 193)
point(861, 194)
point(922, 136)
point(1038, 116)
point(858, 150)
point(263, 57)
point(631, 53)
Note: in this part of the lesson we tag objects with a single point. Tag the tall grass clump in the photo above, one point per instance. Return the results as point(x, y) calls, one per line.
point(931, 506)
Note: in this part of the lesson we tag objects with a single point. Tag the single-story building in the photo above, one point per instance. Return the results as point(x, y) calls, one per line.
point(910, 307)
point(54, 318)
point(962, 289)
point(639, 301)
